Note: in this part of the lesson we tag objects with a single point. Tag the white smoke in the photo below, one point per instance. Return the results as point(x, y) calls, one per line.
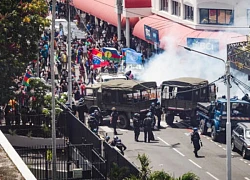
point(177, 62)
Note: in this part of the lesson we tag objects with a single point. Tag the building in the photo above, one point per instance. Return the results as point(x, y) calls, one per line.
point(212, 22)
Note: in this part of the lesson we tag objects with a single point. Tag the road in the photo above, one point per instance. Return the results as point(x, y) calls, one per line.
point(172, 152)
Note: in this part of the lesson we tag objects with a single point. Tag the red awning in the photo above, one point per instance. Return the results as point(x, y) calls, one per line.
point(137, 4)
point(177, 34)
point(103, 9)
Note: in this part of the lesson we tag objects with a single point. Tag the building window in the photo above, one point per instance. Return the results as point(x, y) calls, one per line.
point(164, 5)
point(216, 16)
point(176, 9)
point(189, 13)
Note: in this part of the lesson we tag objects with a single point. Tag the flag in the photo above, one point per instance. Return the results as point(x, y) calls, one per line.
point(97, 59)
point(133, 57)
point(26, 79)
point(111, 54)
point(124, 52)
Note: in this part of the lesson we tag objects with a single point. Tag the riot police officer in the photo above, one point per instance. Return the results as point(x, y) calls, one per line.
point(147, 124)
point(114, 141)
point(136, 124)
point(158, 113)
point(98, 116)
point(114, 118)
point(93, 123)
point(121, 146)
point(153, 111)
point(195, 139)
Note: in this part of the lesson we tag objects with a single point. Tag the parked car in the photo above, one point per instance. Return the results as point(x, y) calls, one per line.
point(241, 139)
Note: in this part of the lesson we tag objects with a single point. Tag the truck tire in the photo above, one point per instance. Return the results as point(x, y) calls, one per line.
point(244, 153)
point(170, 119)
point(213, 133)
point(123, 122)
point(233, 146)
point(203, 127)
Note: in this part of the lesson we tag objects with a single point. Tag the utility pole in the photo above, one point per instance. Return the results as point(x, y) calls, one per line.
point(52, 54)
point(119, 12)
point(69, 58)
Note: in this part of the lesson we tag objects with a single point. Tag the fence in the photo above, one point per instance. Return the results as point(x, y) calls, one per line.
point(71, 163)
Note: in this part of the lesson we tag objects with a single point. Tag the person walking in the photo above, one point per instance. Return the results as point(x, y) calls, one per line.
point(136, 124)
point(195, 139)
point(114, 119)
point(158, 113)
point(147, 124)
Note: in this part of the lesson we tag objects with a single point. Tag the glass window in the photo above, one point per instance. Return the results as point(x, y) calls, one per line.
point(239, 130)
point(248, 133)
point(164, 5)
point(189, 12)
point(216, 16)
point(176, 8)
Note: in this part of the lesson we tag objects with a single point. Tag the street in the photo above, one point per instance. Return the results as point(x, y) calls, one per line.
point(173, 152)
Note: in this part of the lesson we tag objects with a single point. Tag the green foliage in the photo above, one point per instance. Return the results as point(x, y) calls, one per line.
point(29, 134)
point(189, 176)
point(160, 175)
point(21, 27)
point(12, 132)
point(145, 169)
point(117, 173)
point(49, 155)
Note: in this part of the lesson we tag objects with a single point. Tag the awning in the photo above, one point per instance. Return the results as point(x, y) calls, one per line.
point(177, 34)
point(103, 9)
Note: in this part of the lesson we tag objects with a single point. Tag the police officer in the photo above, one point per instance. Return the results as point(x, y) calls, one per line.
point(158, 113)
point(98, 116)
point(195, 139)
point(93, 124)
point(147, 124)
point(114, 118)
point(121, 146)
point(152, 110)
point(136, 124)
point(114, 141)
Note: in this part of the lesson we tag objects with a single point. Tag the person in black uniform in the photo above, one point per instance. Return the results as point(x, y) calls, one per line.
point(195, 139)
point(114, 141)
point(114, 118)
point(158, 113)
point(98, 116)
point(121, 146)
point(147, 124)
point(93, 123)
point(136, 124)
point(153, 111)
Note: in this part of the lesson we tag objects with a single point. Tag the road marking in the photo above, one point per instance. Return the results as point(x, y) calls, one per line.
point(169, 145)
point(241, 159)
point(219, 145)
point(212, 176)
point(245, 162)
point(163, 141)
point(246, 178)
point(216, 143)
point(225, 149)
point(232, 154)
point(195, 163)
point(249, 164)
point(178, 152)
point(208, 138)
point(211, 140)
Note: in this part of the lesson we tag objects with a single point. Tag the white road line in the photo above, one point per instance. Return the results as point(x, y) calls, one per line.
point(225, 149)
point(195, 163)
point(245, 162)
point(216, 143)
point(211, 140)
point(163, 141)
point(249, 164)
point(169, 145)
point(208, 138)
point(212, 176)
point(246, 178)
point(241, 159)
point(232, 154)
point(219, 145)
point(178, 152)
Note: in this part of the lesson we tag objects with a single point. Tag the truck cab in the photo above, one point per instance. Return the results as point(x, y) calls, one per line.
point(127, 96)
point(214, 115)
point(179, 97)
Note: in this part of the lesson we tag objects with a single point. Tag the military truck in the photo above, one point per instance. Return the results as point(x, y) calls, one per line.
point(179, 97)
point(213, 115)
point(128, 96)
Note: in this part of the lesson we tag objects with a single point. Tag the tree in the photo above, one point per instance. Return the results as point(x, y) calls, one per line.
point(21, 27)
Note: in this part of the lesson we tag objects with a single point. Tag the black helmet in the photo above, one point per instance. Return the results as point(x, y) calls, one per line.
point(149, 114)
point(137, 115)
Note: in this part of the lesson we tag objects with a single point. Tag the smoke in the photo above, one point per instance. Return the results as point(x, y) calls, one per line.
point(177, 62)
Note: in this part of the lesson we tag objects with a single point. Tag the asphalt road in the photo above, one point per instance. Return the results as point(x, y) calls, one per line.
point(173, 153)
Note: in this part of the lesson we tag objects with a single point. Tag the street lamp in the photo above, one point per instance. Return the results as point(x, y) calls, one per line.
point(228, 125)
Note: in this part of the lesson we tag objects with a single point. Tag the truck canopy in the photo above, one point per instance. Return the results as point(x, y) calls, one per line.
point(128, 85)
point(185, 82)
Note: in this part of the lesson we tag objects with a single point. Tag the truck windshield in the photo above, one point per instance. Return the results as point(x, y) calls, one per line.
point(248, 133)
point(237, 108)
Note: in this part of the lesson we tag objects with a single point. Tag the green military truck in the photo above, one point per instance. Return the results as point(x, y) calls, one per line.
point(179, 97)
point(128, 96)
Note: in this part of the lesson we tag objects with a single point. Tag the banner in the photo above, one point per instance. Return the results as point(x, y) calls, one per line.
point(133, 57)
point(110, 54)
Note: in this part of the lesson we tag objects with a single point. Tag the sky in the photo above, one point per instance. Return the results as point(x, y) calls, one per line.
point(177, 62)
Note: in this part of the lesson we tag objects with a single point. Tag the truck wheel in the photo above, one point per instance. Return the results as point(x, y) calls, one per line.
point(244, 153)
point(203, 127)
point(233, 146)
point(123, 122)
point(170, 119)
point(213, 134)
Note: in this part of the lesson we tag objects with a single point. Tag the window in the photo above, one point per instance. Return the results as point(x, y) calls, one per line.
point(164, 5)
point(216, 16)
point(248, 133)
point(240, 131)
point(189, 12)
point(176, 9)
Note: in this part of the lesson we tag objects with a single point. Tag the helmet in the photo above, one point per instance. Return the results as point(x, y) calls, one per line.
point(116, 138)
point(149, 114)
point(152, 104)
point(92, 115)
point(113, 109)
point(81, 100)
point(95, 110)
point(119, 140)
point(107, 138)
point(195, 129)
point(137, 115)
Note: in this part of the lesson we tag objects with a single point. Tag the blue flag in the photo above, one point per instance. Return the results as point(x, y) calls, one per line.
point(133, 57)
